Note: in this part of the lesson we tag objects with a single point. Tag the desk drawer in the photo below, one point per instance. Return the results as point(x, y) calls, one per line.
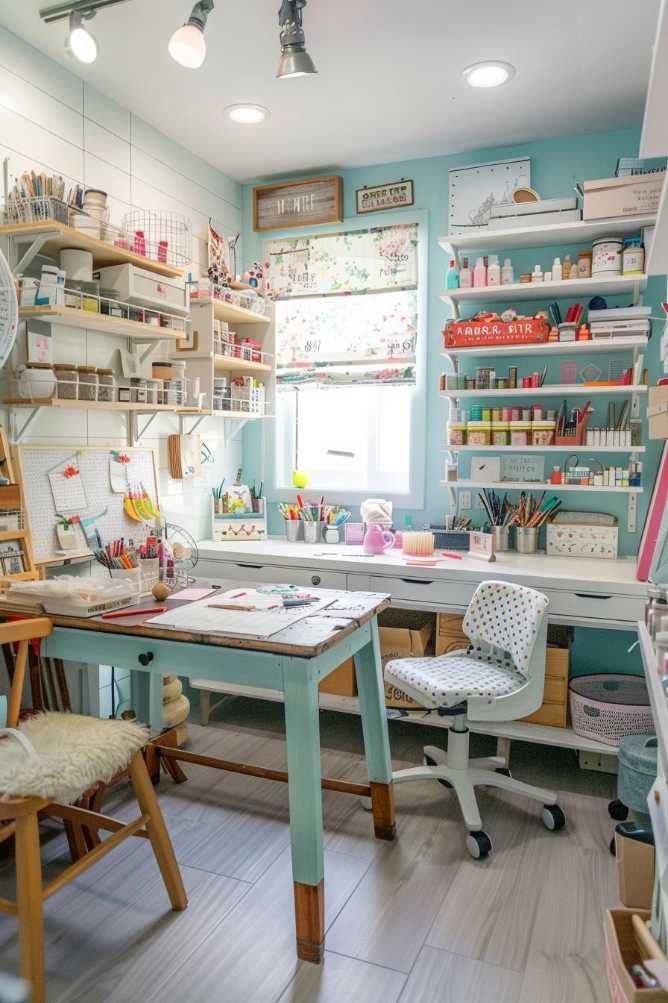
point(595, 606)
point(454, 595)
point(255, 571)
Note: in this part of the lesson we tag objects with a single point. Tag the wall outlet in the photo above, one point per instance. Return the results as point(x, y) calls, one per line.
point(465, 499)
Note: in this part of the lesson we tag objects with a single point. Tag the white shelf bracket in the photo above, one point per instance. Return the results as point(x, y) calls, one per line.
point(231, 434)
point(18, 431)
point(195, 425)
point(139, 430)
point(632, 513)
point(35, 246)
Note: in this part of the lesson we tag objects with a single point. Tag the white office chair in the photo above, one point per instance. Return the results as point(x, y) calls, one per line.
point(500, 677)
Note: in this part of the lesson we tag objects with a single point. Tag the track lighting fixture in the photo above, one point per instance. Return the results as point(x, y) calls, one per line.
point(295, 60)
point(80, 42)
point(187, 45)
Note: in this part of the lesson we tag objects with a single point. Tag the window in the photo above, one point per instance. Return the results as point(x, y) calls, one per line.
point(346, 336)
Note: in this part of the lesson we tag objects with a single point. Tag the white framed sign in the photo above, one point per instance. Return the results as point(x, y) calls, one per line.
point(394, 195)
point(473, 191)
point(523, 467)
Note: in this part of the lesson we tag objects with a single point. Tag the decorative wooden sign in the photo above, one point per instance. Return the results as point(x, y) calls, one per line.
point(394, 195)
point(475, 333)
point(298, 203)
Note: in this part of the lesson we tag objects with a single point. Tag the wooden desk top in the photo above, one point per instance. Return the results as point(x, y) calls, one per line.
point(306, 638)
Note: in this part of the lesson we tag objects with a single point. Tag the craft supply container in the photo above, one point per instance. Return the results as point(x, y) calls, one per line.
point(88, 383)
point(106, 391)
point(131, 575)
point(542, 433)
point(501, 538)
point(67, 380)
point(500, 433)
point(456, 434)
point(36, 381)
point(526, 539)
point(519, 433)
point(312, 532)
point(585, 264)
point(292, 529)
point(479, 433)
point(606, 256)
point(149, 570)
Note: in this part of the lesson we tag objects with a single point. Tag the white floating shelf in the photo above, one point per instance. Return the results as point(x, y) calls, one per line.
point(616, 285)
point(578, 232)
point(100, 322)
point(231, 312)
point(556, 390)
point(543, 449)
point(539, 485)
point(228, 363)
point(552, 347)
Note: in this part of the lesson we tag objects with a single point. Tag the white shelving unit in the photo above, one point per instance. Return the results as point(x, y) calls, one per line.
point(538, 486)
point(608, 345)
point(554, 390)
point(616, 285)
point(549, 235)
point(544, 449)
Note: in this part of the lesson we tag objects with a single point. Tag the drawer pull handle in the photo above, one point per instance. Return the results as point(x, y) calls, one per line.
point(256, 567)
point(315, 579)
point(416, 581)
point(145, 658)
point(591, 595)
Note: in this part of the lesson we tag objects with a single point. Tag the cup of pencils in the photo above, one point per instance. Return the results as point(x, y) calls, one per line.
point(291, 521)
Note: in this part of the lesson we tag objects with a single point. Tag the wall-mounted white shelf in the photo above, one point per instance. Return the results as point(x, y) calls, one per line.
point(544, 449)
point(231, 312)
point(539, 486)
point(556, 390)
point(102, 323)
point(551, 347)
point(229, 363)
point(616, 285)
point(553, 234)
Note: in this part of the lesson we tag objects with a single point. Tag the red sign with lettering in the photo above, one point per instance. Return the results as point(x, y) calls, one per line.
point(473, 333)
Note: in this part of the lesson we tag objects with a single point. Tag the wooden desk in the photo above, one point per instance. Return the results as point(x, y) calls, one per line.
point(293, 662)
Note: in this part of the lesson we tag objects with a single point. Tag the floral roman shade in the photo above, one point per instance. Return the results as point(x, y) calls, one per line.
point(347, 305)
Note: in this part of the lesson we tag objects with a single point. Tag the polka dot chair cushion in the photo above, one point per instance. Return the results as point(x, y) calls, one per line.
point(448, 680)
point(506, 618)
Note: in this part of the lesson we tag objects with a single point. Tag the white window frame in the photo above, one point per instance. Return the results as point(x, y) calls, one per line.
point(414, 498)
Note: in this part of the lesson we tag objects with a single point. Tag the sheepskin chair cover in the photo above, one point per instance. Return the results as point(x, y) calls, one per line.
point(73, 753)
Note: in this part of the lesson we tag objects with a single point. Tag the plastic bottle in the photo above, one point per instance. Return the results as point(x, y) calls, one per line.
point(465, 275)
point(479, 274)
point(566, 268)
point(493, 271)
point(537, 274)
point(557, 271)
point(452, 277)
point(507, 273)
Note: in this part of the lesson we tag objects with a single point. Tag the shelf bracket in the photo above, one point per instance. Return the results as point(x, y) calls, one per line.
point(236, 430)
point(632, 513)
point(35, 246)
point(139, 431)
point(18, 431)
point(195, 425)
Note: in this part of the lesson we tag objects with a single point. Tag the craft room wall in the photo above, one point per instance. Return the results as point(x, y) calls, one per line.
point(52, 121)
point(556, 165)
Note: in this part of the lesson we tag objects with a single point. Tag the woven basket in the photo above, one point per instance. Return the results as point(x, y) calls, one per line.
point(609, 706)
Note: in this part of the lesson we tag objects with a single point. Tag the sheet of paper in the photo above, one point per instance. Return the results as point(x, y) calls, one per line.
point(205, 616)
point(67, 488)
point(192, 594)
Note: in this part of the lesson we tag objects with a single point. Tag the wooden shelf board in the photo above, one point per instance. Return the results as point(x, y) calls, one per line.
point(543, 449)
point(228, 363)
point(115, 326)
point(103, 253)
point(552, 347)
point(545, 235)
point(222, 310)
point(539, 485)
point(78, 405)
point(616, 285)
point(557, 390)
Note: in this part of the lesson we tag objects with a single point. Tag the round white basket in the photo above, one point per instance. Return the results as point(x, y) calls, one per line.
point(609, 706)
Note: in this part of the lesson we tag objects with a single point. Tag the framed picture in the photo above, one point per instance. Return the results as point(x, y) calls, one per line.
point(474, 190)
point(298, 203)
point(394, 195)
point(16, 555)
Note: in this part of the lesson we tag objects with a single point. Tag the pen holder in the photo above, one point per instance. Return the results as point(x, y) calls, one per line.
point(130, 575)
point(292, 527)
point(150, 573)
point(312, 532)
point(501, 538)
point(526, 539)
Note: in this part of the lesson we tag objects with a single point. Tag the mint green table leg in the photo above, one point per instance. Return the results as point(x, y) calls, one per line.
point(376, 739)
point(302, 728)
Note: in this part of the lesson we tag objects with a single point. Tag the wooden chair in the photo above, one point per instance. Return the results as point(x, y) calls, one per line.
point(20, 813)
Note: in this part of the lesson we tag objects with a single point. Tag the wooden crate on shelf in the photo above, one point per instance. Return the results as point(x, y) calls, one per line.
point(554, 709)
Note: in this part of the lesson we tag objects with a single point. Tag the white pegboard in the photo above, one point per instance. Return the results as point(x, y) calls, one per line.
point(35, 461)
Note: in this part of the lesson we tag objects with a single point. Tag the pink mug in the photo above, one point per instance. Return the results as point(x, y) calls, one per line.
point(377, 540)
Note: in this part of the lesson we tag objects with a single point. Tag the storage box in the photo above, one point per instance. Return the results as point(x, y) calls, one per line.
point(239, 528)
point(474, 333)
point(621, 952)
point(506, 215)
point(629, 196)
point(657, 412)
point(635, 870)
point(403, 634)
point(342, 681)
point(554, 709)
point(581, 540)
point(450, 634)
point(136, 285)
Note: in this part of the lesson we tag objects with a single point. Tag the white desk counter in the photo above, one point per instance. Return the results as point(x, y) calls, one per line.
point(586, 593)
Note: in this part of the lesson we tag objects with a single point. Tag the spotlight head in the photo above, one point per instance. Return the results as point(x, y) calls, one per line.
point(295, 60)
point(187, 45)
point(80, 43)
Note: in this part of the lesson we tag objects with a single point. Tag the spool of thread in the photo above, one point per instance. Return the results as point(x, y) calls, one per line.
point(418, 544)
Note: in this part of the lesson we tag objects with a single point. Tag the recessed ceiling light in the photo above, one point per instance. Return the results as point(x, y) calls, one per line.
point(247, 114)
point(491, 73)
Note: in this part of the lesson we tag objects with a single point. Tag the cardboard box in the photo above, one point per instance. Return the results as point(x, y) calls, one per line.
point(657, 412)
point(635, 870)
point(450, 634)
point(636, 195)
point(554, 709)
point(403, 634)
point(342, 681)
point(622, 951)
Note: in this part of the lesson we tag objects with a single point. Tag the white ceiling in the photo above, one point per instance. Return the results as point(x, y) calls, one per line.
point(389, 85)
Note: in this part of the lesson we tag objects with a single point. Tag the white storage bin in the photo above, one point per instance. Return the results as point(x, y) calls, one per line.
point(136, 285)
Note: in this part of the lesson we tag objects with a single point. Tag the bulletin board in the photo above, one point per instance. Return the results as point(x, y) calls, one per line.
point(91, 499)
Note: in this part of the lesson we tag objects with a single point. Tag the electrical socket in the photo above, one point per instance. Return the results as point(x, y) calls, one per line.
point(465, 499)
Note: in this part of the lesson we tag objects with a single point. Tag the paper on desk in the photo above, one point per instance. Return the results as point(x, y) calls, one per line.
point(203, 617)
point(191, 594)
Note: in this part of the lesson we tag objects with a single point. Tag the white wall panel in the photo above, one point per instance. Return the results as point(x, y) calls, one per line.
point(101, 109)
point(107, 146)
point(35, 142)
point(40, 108)
point(24, 60)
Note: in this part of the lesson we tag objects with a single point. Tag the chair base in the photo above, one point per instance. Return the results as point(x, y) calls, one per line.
point(463, 774)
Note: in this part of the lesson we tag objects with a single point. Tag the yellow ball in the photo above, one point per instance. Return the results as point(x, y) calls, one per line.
point(300, 479)
point(160, 591)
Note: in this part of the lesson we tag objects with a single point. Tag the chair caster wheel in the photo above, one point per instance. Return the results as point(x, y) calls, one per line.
point(366, 804)
point(504, 771)
point(618, 810)
point(428, 761)
point(553, 817)
point(479, 845)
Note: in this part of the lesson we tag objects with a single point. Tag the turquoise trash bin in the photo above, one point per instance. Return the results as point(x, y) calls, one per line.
point(636, 774)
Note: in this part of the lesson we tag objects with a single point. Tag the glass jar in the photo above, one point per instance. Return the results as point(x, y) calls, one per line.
point(124, 394)
point(67, 379)
point(138, 390)
point(584, 265)
point(633, 256)
point(106, 390)
point(154, 391)
point(161, 370)
point(519, 433)
point(88, 383)
point(500, 433)
point(456, 433)
point(479, 433)
point(36, 381)
point(542, 433)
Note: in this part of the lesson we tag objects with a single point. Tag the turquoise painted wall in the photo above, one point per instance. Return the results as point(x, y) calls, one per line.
point(556, 166)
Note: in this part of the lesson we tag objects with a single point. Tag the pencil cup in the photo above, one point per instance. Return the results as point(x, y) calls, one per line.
point(312, 532)
point(501, 538)
point(131, 575)
point(292, 529)
point(526, 539)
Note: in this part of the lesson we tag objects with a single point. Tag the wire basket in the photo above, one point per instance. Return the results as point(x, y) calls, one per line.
point(37, 209)
point(167, 236)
